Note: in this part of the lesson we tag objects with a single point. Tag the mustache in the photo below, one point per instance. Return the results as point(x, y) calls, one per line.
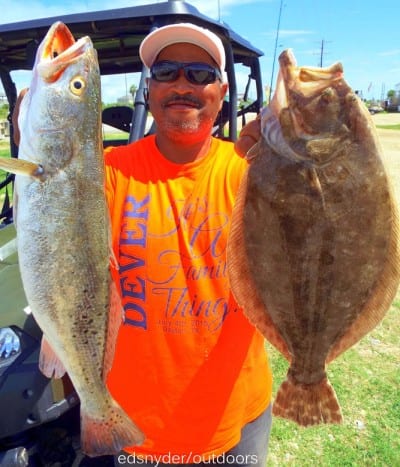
point(182, 99)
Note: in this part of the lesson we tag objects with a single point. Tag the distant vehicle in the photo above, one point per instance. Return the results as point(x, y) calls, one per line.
point(393, 108)
point(374, 109)
point(39, 423)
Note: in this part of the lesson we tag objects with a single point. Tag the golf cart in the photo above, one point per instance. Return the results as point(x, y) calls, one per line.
point(39, 424)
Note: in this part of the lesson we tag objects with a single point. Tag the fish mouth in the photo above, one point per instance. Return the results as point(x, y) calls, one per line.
point(307, 81)
point(58, 50)
point(288, 124)
point(297, 86)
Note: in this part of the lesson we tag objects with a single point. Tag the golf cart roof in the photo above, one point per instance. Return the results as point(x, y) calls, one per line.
point(116, 35)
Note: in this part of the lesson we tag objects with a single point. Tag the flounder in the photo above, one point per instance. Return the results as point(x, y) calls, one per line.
point(313, 253)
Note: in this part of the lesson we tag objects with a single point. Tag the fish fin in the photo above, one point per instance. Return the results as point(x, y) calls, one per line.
point(49, 364)
point(380, 299)
point(253, 151)
point(307, 404)
point(241, 282)
point(110, 433)
point(113, 258)
point(115, 318)
point(22, 167)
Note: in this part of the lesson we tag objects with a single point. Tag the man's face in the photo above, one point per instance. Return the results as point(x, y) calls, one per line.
point(183, 111)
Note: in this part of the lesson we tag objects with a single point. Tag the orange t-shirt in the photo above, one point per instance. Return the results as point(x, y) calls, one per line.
point(189, 368)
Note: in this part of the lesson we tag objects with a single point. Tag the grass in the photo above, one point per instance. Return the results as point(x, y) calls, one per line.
point(367, 382)
point(117, 135)
point(4, 148)
point(4, 152)
point(389, 127)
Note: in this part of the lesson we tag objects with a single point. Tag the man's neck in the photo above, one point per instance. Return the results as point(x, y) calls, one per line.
point(181, 152)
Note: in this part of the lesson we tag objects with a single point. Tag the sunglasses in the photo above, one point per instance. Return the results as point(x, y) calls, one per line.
point(199, 73)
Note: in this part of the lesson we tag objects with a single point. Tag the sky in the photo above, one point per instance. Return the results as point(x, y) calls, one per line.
point(363, 36)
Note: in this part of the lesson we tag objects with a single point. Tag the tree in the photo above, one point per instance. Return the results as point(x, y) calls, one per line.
point(132, 91)
point(393, 98)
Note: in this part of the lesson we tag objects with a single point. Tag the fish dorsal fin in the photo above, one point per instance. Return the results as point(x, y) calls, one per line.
point(49, 364)
point(380, 297)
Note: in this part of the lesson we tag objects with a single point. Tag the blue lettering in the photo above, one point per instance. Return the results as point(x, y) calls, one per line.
point(134, 309)
point(136, 207)
point(135, 263)
point(133, 287)
point(135, 236)
point(129, 289)
point(213, 242)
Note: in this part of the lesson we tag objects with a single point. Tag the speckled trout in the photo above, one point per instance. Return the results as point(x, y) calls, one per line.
point(63, 232)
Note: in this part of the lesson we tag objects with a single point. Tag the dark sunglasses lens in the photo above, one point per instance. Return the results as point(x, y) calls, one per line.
point(196, 73)
point(200, 75)
point(164, 71)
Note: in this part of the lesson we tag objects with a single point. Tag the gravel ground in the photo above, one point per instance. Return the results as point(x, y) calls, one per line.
point(386, 118)
point(390, 141)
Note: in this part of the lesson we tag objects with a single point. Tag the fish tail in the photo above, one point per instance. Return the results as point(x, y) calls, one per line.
point(307, 404)
point(110, 433)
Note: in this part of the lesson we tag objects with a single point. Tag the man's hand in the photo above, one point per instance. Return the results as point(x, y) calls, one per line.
point(14, 116)
point(248, 137)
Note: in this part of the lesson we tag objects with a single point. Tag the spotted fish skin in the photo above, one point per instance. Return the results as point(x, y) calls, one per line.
point(315, 230)
point(63, 232)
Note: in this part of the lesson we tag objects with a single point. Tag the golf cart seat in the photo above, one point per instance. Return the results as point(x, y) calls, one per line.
point(119, 117)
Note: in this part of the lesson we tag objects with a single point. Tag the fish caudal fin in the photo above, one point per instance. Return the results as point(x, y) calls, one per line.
point(307, 404)
point(110, 433)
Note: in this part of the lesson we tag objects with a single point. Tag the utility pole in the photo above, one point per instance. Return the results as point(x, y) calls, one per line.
point(275, 50)
point(383, 92)
point(322, 53)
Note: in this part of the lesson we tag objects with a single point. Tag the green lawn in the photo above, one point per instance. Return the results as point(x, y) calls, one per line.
point(367, 382)
point(389, 127)
point(4, 152)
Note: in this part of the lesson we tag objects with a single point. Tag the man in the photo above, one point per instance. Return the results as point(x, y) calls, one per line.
point(189, 368)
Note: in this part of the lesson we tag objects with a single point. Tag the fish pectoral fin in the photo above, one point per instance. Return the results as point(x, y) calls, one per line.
point(22, 167)
point(115, 319)
point(49, 364)
point(253, 152)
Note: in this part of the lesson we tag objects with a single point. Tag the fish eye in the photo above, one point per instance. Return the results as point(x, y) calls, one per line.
point(77, 85)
